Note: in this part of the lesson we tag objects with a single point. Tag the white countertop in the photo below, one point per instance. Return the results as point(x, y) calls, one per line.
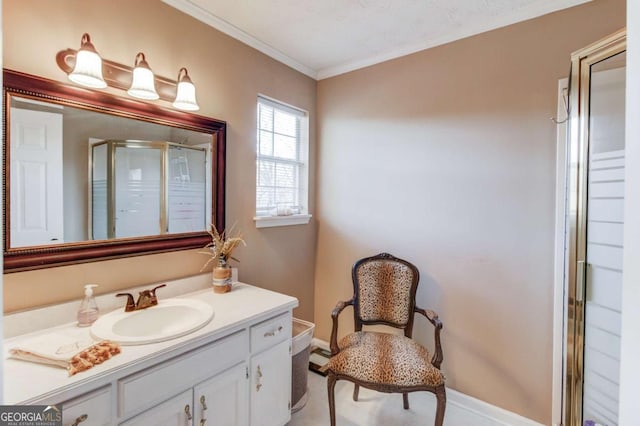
point(26, 382)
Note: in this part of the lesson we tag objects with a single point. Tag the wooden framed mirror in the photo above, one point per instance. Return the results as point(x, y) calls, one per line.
point(51, 210)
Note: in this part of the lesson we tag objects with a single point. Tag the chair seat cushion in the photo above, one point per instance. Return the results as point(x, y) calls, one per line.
point(384, 358)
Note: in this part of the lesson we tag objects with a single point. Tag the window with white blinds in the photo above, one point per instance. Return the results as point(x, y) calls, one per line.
point(282, 172)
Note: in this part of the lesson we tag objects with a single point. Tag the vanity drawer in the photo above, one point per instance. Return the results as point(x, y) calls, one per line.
point(270, 332)
point(93, 408)
point(146, 388)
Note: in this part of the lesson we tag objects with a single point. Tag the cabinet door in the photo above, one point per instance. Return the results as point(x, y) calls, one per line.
point(223, 399)
point(147, 388)
point(271, 386)
point(176, 411)
point(91, 409)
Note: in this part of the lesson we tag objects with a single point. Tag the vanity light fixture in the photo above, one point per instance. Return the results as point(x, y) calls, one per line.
point(85, 67)
point(143, 85)
point(88, 67)
point(185, 93)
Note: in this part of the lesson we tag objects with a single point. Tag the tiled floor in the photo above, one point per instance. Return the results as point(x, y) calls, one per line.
point(376, 409)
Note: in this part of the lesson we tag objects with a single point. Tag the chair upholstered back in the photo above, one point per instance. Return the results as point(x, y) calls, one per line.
point(385, 289)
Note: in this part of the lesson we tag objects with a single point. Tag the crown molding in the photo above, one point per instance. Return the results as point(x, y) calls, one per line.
point(538, 9)
point(526, 13)
point(186, 6)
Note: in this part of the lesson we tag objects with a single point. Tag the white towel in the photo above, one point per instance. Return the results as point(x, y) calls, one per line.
point(51, 348)
point(71, 352)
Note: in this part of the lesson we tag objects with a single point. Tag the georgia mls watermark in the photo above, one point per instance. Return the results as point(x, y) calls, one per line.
point(30, 415)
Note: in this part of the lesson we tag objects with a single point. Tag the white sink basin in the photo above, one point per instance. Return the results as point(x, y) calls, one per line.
point(169, 319)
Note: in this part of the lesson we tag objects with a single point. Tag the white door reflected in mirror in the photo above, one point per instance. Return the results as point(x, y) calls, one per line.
point(36, 178)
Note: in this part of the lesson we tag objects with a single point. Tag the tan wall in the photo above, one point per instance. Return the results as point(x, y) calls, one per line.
point(228, 75)
point(447, 158)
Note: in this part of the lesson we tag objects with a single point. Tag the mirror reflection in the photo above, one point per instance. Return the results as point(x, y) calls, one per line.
point(79, 175)
point(141, 188)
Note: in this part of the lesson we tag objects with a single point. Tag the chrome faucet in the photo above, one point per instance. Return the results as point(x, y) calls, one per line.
point(146, 298)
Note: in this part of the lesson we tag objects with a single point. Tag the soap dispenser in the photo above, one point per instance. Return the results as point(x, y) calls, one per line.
point(88, 312)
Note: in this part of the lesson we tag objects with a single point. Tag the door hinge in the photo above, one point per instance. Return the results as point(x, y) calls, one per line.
point(289, 405)
point(246, 372)
point(289, 349)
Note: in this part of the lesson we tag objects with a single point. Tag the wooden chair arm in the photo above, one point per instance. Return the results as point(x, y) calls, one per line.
point(334, 330)
point(433, 319)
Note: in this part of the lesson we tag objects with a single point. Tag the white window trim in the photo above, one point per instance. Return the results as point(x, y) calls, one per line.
point(269, 221)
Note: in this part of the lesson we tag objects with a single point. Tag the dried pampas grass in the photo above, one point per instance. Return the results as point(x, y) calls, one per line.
point(221, 245)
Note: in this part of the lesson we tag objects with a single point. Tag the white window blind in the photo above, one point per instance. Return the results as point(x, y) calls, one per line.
point(281, 175)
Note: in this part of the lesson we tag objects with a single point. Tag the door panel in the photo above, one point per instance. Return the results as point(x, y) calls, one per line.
point(604, 236)
point(36, 178)
point(223, 400)
point(271, 386)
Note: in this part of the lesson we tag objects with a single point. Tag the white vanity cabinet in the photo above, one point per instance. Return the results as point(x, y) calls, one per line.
point(234, 371)
point(147, 388)
point(222, 400)
point(93, 408)
point(219, 393)
point(271, 372)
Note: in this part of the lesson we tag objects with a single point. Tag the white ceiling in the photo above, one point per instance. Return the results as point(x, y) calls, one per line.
point(323, 38)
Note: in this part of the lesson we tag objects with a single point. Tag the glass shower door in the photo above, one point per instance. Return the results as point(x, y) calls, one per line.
point(142, 188)
point(187, 198)
point(595, 243)
point(138, 179)
point(605, 221)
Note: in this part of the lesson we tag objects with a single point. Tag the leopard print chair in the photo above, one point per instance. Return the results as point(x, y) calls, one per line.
point(384, 290)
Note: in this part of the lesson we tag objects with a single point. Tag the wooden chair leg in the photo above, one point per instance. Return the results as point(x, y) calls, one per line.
point(441, 397)
point(405, 400)
point(331, 384)
point(356, 390)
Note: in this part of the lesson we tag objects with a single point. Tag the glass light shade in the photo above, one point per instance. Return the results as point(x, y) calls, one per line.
point(143, 84)
point(186, 97)
point(88, 70)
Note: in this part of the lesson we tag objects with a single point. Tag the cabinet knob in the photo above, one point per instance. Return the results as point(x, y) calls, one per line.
point(273, 333)
point(187, 411)
point(79, 420)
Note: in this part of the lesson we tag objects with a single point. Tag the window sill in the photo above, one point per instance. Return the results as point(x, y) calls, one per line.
point(271, 221)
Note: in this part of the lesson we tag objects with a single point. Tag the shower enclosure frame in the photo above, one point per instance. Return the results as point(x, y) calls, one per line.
point(163, 146)
point(576, 221)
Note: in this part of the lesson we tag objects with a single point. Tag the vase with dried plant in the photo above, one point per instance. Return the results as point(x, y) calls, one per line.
point(219, 250)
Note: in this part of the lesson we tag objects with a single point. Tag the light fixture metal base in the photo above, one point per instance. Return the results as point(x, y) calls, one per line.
point(118, 75)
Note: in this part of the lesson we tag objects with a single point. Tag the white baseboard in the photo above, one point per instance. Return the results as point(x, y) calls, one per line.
point(496, 415)
point(319, 344)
